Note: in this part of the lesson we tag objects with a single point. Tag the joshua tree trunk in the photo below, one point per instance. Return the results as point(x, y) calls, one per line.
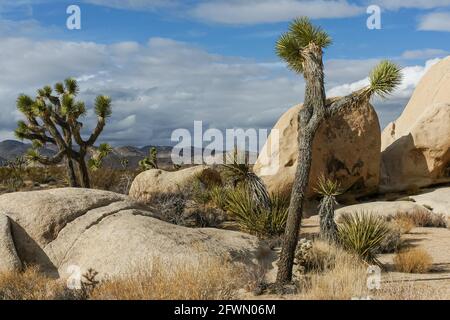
point(310, 117)
point(84, 173)
point(73, 181)
point(83, 170)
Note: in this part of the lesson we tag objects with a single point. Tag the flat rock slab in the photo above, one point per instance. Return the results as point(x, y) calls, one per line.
point(437, 199)
point(382, 208)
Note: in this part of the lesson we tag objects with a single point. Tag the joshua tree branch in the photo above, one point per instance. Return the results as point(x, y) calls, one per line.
point(57, 158)
point(98, 129)
point(353, 99)
point(40, 137)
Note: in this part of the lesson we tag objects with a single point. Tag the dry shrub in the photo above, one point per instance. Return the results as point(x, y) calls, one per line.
point(30, 285)
point(404, 224)
point(392, 241)
point(317, 256)
point(422, 218)
point(345, 278)
point(110, 179)
point(414, 260)
point(211, 280)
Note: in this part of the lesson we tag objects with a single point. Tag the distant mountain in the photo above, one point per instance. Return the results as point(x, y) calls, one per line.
point(11, 149)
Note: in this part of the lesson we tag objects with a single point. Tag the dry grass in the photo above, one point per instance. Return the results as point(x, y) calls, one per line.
point(415, 260)
point(338, 276)
point(212, 281)
point(30, 285)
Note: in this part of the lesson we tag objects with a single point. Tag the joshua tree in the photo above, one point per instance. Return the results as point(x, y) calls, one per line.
point(329, 189)
point(302, 48)
point(53, 118)
point(150, 162)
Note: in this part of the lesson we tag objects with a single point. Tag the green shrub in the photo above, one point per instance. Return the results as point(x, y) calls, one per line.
point(219, 196)
point(363, 234)
point(238, 172)
point(254, 218)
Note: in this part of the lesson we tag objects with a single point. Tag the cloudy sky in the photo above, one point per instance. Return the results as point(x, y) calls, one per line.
point(167, 63)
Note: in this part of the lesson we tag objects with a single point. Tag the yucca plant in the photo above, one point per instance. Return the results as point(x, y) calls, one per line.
point(329, 189)
point(219, 196)
point(362, 233)
point(238, 170)
point(255, 219)
point(302, 49)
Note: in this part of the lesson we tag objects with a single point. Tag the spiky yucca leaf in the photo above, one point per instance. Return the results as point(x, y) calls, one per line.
point(238, 170)
point(25, 103)
point(301, 34)
point(67, 104)
point(104, 148)
point(21, 130)
point(96, 162)
point(103, 106)
point(59, 88)
point(362, 233)
point(384, 78)
point(79, 109)
point(255, 219)
point(306, 33)
point(327, 187)
point(71, 86)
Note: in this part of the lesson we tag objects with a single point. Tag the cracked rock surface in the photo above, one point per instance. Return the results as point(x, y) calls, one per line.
point(108, 232)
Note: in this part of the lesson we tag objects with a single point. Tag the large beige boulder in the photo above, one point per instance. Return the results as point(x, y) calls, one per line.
point(416, 147)
point(61, 228)
point(156, 181)
point(346, 148)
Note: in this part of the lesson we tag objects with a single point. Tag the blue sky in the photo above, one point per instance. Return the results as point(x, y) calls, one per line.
point(168, 63)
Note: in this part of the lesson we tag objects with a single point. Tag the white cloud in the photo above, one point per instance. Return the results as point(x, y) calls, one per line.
point(155, 88)
point(133, 4)
point(421, 4)
point(423, 54)
point(269, 11)
point(437, 21)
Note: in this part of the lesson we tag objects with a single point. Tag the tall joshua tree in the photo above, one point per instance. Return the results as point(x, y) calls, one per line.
point(53, 118)
point(302, 48)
